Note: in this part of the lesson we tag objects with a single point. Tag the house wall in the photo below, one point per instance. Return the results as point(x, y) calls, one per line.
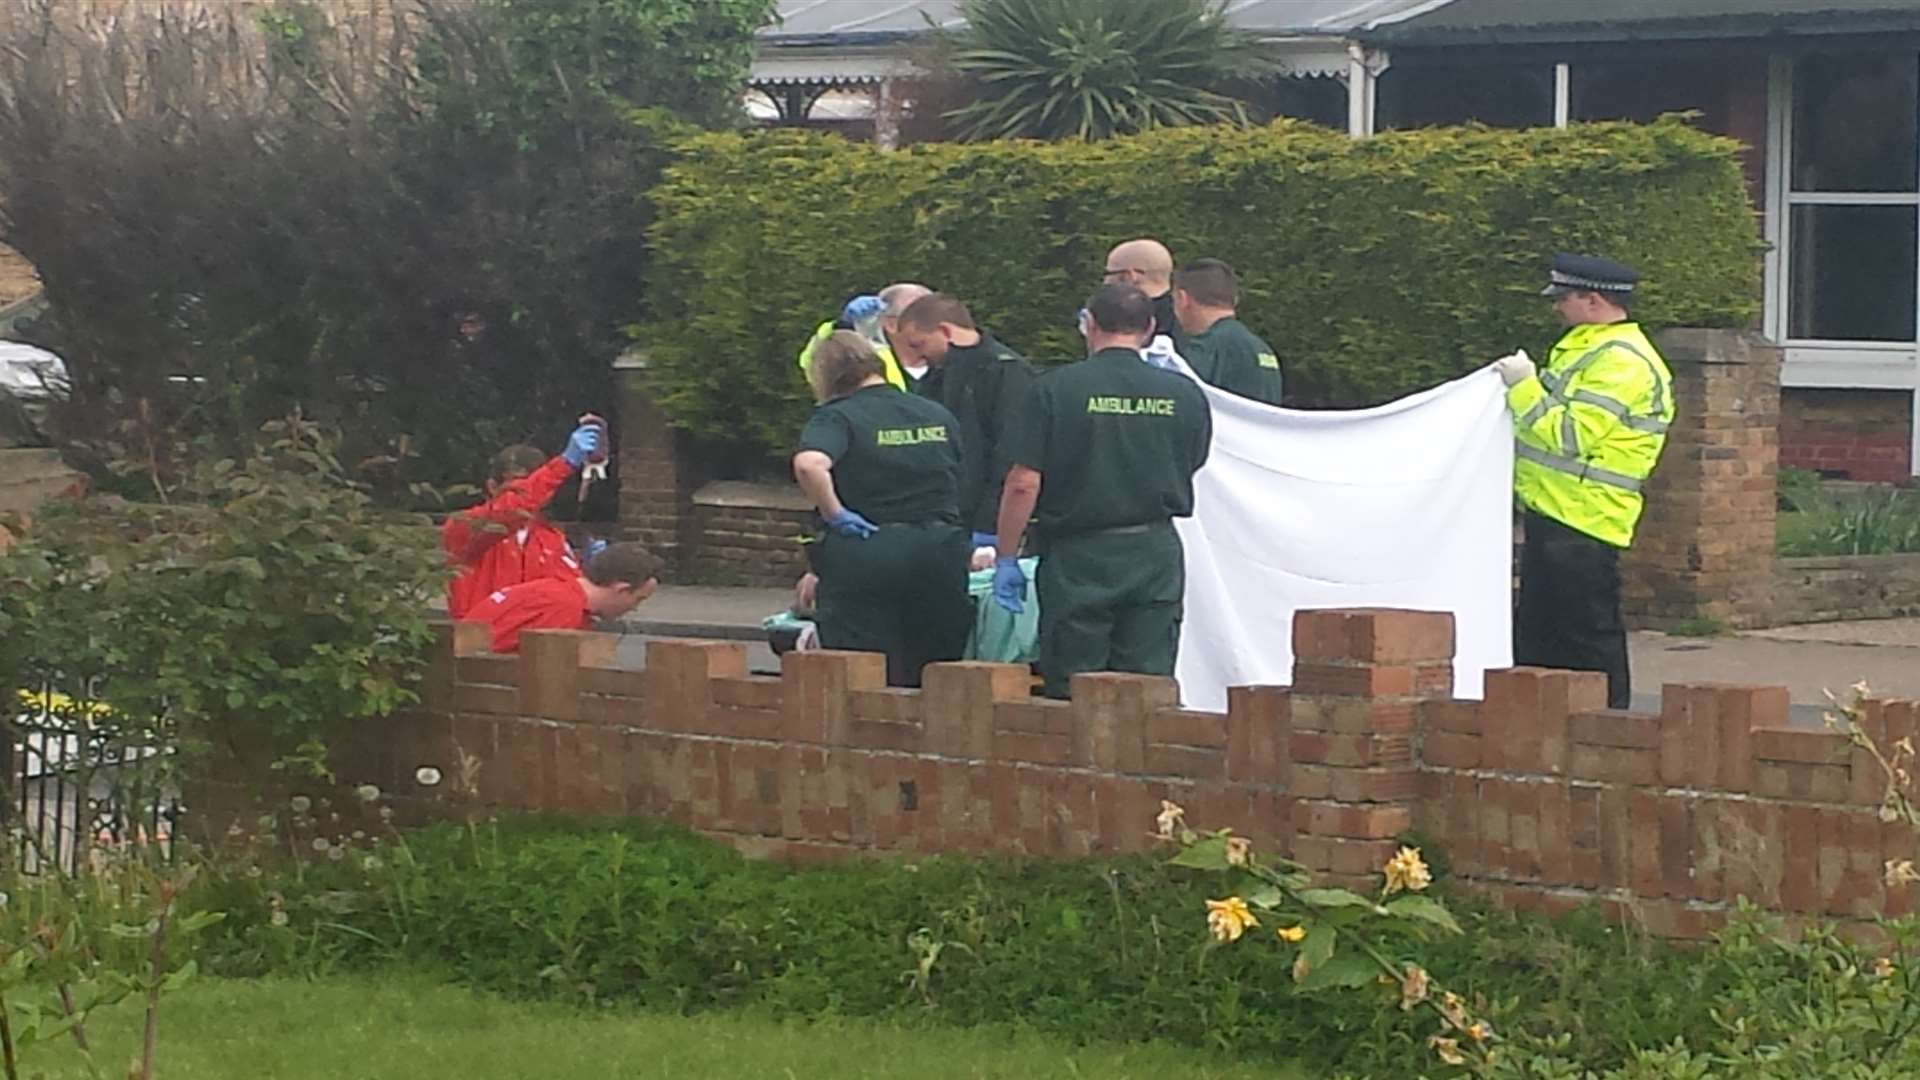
point(1848, 434)
point(1537, 794)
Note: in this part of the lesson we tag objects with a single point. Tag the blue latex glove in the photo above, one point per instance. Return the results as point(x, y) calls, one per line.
point(981, 540)
point(861, 308)
point(1009, 584)
point(849, 523)
point(581, 444)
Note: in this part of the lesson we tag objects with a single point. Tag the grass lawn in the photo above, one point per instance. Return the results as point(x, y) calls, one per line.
point(408, 1028)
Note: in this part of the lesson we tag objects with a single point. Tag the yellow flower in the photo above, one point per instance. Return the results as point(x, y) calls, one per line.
point(1293, 934)
point(1170, 817)
point(1883, 968)
point(1407, 871)
point(1453, 1010)
point(1239, 848)
point(1448, 1049)
point(1479, 1031)
point(1413, 986)
point(1229, 918)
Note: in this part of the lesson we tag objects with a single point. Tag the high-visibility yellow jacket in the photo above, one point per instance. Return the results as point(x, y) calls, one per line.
point(887, 362)
point(1589, 428)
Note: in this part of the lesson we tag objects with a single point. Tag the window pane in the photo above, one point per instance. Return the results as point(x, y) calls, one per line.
point(1853, 273)
point(1854, 121)
point(1498, 95)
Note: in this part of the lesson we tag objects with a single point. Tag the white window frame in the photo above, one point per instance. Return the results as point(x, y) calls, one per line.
point(1814, 363)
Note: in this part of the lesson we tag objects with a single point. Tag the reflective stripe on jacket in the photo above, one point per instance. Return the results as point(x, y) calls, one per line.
point(1589, 429)
point(889, 366)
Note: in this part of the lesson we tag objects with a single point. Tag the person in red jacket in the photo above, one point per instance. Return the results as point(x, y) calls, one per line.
point(507, 540)
point(613, 584)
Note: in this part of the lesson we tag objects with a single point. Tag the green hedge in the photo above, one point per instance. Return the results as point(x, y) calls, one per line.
point(1378, 267)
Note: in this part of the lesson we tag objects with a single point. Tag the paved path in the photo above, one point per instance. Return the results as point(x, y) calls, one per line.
point(1807, 660)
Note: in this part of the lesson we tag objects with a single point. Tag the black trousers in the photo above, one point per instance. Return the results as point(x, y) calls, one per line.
point(1568, 615)
point(901, 591)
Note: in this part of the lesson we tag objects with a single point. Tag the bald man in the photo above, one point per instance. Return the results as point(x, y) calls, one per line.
point(884, 307)
point(1147, 265)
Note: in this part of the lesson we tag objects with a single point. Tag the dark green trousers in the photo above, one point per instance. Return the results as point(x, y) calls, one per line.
point(901, 591)
point(1110, 601)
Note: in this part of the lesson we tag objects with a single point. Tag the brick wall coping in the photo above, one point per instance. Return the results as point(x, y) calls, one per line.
point(741, 494)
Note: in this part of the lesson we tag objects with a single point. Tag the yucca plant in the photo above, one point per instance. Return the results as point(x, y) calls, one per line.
point(1091, 69)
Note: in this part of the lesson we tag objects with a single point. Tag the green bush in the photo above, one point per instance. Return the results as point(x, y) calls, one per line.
point(1378, 267)
point(262, 599)
point(437, 257)
point(1102, 950)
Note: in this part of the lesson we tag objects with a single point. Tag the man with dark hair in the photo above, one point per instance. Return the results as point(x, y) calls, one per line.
point(507, 539)
point(1217, 346)
point(1105, 451)
point(614, 583)
point(983, 383)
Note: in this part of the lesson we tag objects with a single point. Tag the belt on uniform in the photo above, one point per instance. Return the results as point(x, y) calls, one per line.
point(1118, 530)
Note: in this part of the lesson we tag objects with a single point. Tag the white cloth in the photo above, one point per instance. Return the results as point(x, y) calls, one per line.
point(1407, 505)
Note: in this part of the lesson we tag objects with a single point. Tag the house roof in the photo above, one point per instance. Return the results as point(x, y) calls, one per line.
point(873, 22)
point(1524, 22)
point(856, 40)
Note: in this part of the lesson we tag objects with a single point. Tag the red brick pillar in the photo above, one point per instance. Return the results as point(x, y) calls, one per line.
point(657, 480)
point(1358, 677)
point(1704, 549)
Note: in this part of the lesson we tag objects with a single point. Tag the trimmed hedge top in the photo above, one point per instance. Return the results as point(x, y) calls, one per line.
point(1377, 267)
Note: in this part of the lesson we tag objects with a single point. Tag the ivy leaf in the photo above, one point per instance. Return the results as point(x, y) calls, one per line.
point(1316, 950)
point(1349, 970)
point(1208, 854)
point(1335, 898)
point(1425, 909)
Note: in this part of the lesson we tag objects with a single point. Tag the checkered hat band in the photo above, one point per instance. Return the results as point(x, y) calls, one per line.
point(1574, 281)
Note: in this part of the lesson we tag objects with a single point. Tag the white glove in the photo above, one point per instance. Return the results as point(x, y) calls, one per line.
point(982, 558)
point(1515, 367)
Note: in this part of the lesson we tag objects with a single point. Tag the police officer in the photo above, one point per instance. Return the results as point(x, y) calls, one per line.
point(983, 383)
point(1105, 451)
point(1218, 346)
point(882, 467)
point(1587, 433)
point(877, 314)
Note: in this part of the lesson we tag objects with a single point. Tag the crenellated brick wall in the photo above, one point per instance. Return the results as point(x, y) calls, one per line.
point(1537, 794)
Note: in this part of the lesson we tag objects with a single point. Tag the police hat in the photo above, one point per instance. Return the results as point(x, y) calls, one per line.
point(1589, 273)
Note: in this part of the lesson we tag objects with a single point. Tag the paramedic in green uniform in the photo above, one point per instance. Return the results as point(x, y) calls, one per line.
point(1105, 452)
point(1217, 346)
point(883, 468)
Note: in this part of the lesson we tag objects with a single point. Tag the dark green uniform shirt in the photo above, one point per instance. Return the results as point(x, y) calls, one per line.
point(896, 457)
point(984, 386)
point(1233, 358)
point(1116, 441)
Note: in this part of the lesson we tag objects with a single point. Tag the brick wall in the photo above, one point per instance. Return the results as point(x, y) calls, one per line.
point(748, 534)
point(1824, 589)
point(1848, 434)
point(1704, 548)
point(1537, 794)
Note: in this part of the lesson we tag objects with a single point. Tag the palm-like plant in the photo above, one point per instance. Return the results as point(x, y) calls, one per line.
point(1091, 69)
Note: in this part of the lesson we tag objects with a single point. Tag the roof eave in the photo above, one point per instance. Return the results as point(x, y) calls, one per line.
point(1410, 35)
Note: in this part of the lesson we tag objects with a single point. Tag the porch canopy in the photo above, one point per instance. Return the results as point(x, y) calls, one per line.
point(1533, 22)
point(844, 43)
